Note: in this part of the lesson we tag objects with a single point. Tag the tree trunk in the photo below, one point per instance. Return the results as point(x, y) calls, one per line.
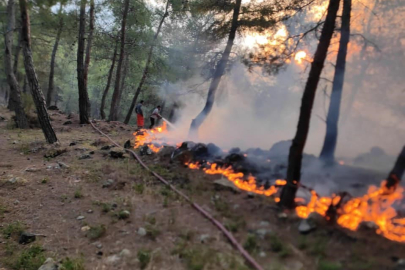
point(17, 54)
point(116, 95)
point(107, 87)
point(295, 156)
point(84, 103)
point(15, 93)
point(397, 172)
point(55, 49)
point(219, 71)
point(122, 86)
point(37, 94)
point(146, 69)
point(332, 120)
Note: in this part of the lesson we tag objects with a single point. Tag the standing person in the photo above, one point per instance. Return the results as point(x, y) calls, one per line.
point(155, 116)
point(139, 115)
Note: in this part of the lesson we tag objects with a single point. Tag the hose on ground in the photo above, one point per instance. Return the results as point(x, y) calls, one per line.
point(207, 215)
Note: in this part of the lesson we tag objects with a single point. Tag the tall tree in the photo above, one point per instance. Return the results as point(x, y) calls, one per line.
point(84, 103)
point(116, 94)
point(332, 120)
point(15, 92)
point(394, 177)
point(219, 71)
point(295, 156)
point(53, 57)
point(107, 87)
point(39, 100)
point(146, 69)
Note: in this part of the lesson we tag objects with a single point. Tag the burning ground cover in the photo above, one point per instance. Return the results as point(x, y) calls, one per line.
point(259, 172)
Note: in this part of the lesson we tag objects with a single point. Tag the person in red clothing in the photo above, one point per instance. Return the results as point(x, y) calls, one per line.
point(139, 115)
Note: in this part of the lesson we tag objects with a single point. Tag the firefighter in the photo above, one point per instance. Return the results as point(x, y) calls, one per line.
point(155, 116)
point(139, 115)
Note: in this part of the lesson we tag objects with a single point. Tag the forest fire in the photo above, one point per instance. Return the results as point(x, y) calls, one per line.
point(376, 207)
point(300, 56)
point(151, 138)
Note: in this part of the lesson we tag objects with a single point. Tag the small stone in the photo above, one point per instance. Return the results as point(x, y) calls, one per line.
point(141, 231)
point(89, 211)
point(112, 259)
point(106, 147)
point(85, 156)
point(15, 142)
point(236, 206)
point(400, 265)
point(26, 238)
point(80, 218)
point(108, 183)
point(32, 169)
point(63, 165)
point(85, 228)
point(16, 202)
point(262, 254)
point(282, 216)
point(99, 246)
point(264, 223)
point(226, 184)
point(368, 225)
point(128, 144)
point(125, 253)
point(306, 226)
point(17, 180)
point(124, 214)
point(49, 264)
point(262, 232)
point(204, 238)
point(250, 195)
point(116, 154)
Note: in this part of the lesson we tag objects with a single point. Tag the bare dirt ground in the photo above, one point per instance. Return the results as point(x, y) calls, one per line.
point(137, 223)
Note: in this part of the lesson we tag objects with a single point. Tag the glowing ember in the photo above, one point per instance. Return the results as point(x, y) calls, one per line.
point(300, 56)
point(377, 206)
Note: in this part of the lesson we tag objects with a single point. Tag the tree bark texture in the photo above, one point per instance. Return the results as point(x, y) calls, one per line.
point(84, 103)
point(107, 87)
point(332, 120)
point(397, 172)
point(17, 53)
point(295, 156)
point(53, 57)
point(116, 94)
point(122, 86)
point(146, 69)
point(218, 73)
point(15, 92)
point(36, 92)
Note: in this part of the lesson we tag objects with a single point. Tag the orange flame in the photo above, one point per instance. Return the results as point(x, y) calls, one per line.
point(148, 137)
point(376, 206)
point(247, 183)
